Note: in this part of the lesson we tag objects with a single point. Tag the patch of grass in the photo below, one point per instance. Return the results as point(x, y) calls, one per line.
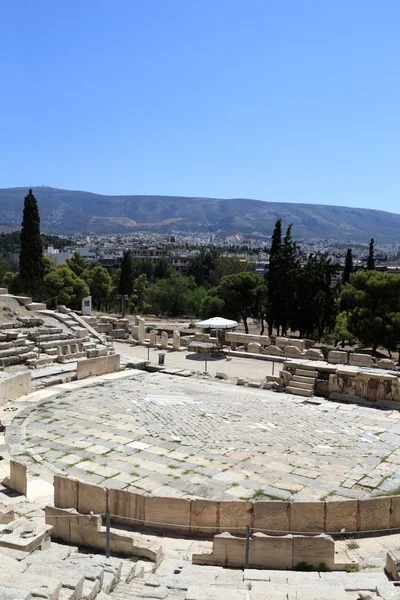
point(235, 484)
point(203, 415)
point(107, 452)
point(172, 467)
point(351, 569)
point(352, 545)
point(134, 474)
point(260, 494)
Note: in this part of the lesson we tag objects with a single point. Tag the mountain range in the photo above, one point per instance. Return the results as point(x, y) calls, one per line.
point(72, 212)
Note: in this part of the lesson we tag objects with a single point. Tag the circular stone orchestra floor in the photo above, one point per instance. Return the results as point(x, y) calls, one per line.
point(170, 436)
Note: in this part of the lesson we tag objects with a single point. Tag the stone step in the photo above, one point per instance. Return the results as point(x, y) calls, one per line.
point(302, 379)
point(13, 593)
point(302, 385)
point(298, 391)
point(42, 588)
point(307, 373)
point(35, 306)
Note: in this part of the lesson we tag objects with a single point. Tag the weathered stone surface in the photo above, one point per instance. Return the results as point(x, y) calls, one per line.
point(233, 515)
point(285, 377)
point(292, 351)
point(164, 513)
point(18, 477)
point(91, 498)
point(313, 354)
point(164, 339)
point(65, 492)
point(122, 503)
point(271, 516)
point(360, 360)
point(254, 348)
point(176, 342)
point(386, 363)
point(300, 344)
point(98, 366)
point(204, 513)
point(307, 517)
point(14, 385)
point(314, 551)
point(341, 516)
point(374, 514)
point(394, 520)
point(273, 351)
point(336, 357)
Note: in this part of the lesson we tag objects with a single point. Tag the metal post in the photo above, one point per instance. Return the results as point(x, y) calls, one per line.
point(246, 564)
point(273, 367)
point(205, 364)
point(107, 534)
point(148, 353)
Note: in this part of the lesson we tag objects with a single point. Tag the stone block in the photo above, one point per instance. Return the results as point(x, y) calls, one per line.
point(360, 360)
point(141, 331)
point(292, 352)
point(300, 344)
point(14, 385)
point(65, 492)
point(84, 530)
point(254, 348)
point(271, 552)
point(273, 351)
point(285, 377)
point(204, 513)
point(314, 550)
point(98, 366)
point(18, 477)
point(91, 498)
point(234, 516)
point(341, 516)
point(122, 503)
point(272, 517)
point(336, 357)
point(153, 337)
point(167, 514)
point(374, 514)
point(313, 354)
point(6, 514)
point(386, 363)
point(281, 342)
point(59, 519)
point(307, 517)
point(394, 520)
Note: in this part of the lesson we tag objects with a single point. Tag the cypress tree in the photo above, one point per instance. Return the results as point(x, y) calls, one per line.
point(273, 277)
point(348, 266)
point(371, 256)
point(31, 267)
point(127, 278)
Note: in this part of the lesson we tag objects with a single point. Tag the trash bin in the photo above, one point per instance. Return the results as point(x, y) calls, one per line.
point(161, 359)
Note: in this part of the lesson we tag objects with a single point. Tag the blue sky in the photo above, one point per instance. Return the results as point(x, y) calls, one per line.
point(295, 101)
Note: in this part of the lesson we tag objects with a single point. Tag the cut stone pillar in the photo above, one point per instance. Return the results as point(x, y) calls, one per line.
point(141, 334)
point(153, 338)
point(164, 339)
point(176, 340)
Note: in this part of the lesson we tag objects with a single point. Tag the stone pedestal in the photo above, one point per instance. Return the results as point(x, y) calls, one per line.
point(153, 338)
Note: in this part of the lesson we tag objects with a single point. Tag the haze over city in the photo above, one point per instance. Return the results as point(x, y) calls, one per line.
point(288, 102)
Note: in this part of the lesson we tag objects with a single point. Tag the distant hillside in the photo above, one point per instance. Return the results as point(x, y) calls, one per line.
point(71, 212)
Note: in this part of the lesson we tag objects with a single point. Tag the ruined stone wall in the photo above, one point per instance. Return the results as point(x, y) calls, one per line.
point(98, 366)
point(208, 517)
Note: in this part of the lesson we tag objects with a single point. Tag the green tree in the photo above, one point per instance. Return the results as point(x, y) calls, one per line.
point(100, 283)
point(137, 302)
point(274, 277)
point(315, 298)
point(371, 256)
point(194, 300)
point(348, 266)
point(373, 301)
point(261, 302)
point(5, 267)
point(202, 265)
point(162, 269)
point(126, 279)
point(341, 331)
point(31, 270)
point(77, 264)
point(62, 283)
point(239, 295)
point(170, 295)
point(212, 305)
point(226, 265)
point(143, 266)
